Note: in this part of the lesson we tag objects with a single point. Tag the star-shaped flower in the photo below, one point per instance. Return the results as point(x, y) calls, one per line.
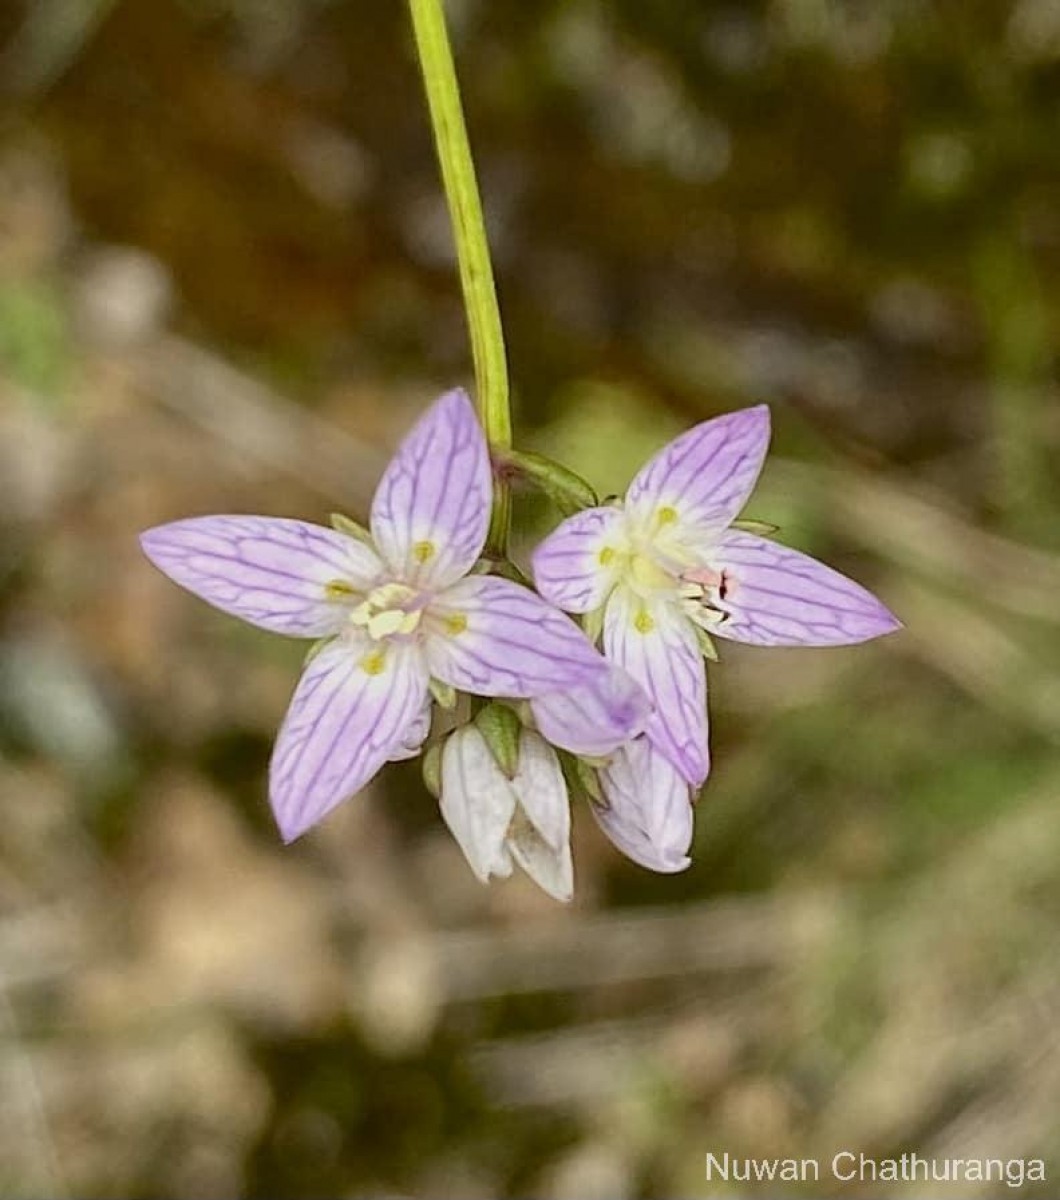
point(400, 608)
point(666, 567)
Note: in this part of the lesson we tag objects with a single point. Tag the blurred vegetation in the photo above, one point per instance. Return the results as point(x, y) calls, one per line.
point(226, 283)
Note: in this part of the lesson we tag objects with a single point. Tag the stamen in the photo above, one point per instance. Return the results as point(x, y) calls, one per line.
point(383, 624)
point(643, 621)
point(455, 623)
point(706, 577)
point(423, 551)
point(384, 612)
point(374, 663)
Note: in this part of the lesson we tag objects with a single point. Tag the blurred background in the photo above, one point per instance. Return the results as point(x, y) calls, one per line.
point(226, 284)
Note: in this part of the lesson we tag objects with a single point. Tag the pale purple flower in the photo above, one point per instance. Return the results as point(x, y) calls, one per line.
point(499, 821)
point(666, 567)
point(399, 609)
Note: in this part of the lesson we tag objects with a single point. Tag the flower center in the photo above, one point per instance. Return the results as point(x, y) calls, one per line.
point(392, 608)
point(647, 556)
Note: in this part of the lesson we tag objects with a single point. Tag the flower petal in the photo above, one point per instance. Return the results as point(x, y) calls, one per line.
point(477, 802)
point(432, 507)
point(539, 836)
point(492, 637)
point(416, 734)
point(596, 717)
point(541, 789)
point(572, 566)
point(270, 571)
point(657, 645)
point(704, 477)
point(648, 811)
point(776, 596)
point(351, 710)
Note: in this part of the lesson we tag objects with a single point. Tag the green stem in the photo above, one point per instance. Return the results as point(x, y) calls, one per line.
point(469, 232)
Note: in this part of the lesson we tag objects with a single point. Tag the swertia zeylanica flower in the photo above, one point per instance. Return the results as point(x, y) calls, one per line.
point(400, 609)
point(666, 570)
point(500, 819)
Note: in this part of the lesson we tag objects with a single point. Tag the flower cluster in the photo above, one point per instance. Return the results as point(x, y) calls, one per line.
point(418, 650)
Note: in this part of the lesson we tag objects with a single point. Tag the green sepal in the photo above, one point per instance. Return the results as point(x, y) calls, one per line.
point(443, 693)
point(567, 491)
point(588, 780)
point(347, 525)
point(593, 624)
point(749, 526)
point(432, 769)
point(706, 644)
point(315, 649)
point(500, 729)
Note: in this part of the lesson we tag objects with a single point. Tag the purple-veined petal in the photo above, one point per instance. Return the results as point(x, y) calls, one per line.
point(702, 479)
point(776, 596)
point(574, 567)
point(351, 710)
point(596, 717)
point(270, 571)
point(541, 789)
point(416, 734)
point(477, 803)
point(492, 637)
point(648, 811)
point(432, 507)
point(539, 835)
point(657, 645)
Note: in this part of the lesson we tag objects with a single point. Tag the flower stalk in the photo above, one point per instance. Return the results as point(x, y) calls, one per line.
point(472, 247)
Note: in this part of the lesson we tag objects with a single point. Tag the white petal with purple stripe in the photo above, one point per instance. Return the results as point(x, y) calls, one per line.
point(574, 566)
point(776, 596)
point(492, 637)
point(352, 709)
point(596, 717)
point(432, 507)
point(703, 478)
point(273, 572)
point(657, 645)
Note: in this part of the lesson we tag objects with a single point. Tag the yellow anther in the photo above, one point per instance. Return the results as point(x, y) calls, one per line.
point(374, 663)
point(643, 621)
point(423, 551)
point(383, 624)
point(390, 595)
point(455, 623)
point(666, 515)
point(338, 589)
point(384, 613)
point(607, 556)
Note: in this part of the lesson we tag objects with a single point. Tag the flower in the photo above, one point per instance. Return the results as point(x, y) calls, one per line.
point(645, 807)
point(668, 570)
point(500, 820)
point(399, 608)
